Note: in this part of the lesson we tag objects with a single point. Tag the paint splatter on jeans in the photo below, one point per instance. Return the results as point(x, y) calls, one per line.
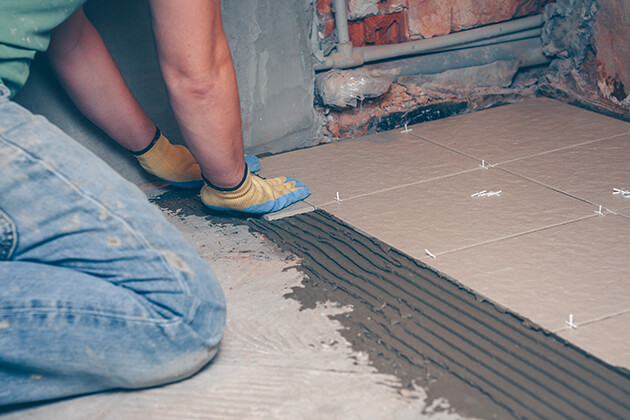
point(97, 289)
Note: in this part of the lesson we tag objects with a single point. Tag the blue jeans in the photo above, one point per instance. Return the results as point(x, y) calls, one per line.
point(97, 290)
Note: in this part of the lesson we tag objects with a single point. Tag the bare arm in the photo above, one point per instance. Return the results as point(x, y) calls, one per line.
point(197, 67)
point(92, 79)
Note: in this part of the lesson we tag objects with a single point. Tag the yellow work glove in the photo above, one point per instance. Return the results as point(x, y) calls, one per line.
point(175, 164)
point(171, 162)
point(255, 194)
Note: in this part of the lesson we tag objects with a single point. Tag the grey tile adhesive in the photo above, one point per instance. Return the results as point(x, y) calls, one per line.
point(431, 331)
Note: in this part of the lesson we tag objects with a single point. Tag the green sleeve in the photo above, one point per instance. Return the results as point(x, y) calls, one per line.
point(25, 27)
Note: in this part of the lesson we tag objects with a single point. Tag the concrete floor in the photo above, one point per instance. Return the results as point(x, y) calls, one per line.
point(537, 248)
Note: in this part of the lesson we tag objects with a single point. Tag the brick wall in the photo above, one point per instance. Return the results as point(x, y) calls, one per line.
point(379, 22)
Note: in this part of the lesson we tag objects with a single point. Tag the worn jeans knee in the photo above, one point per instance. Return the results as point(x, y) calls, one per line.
point(99, 290)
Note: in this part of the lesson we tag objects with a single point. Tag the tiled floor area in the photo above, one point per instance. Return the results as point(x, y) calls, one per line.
point(540, 248)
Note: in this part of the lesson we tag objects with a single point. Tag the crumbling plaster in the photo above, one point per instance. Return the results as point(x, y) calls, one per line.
point(591, 54)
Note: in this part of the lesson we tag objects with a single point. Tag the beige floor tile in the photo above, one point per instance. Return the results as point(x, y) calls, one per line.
point(295, 208)
point(520, 130)
point(354, 168)
point(625, 211)
point(442, 216)
point(589, 172)
point(580, 268)
point(607, 339)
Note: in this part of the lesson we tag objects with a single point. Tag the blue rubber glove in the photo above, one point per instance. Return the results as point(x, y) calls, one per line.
point(253, 163)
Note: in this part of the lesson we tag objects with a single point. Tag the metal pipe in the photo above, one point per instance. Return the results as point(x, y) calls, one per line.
point(362, 55)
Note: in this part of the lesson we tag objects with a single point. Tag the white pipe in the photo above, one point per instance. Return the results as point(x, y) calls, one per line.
point(531, 33)
point(528, 52)
point(344, 47)
point(361, 55)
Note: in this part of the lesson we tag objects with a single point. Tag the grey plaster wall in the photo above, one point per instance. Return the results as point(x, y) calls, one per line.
point(270, 47)
point(269, 42)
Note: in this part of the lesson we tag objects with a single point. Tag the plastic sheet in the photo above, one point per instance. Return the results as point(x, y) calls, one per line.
point(344, 88)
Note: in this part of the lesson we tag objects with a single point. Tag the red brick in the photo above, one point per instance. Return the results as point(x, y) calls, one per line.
point(357, 33)
point(379, 30)
point(324, 7)
point(429, 18)
point(385, 29)
point(329, 26)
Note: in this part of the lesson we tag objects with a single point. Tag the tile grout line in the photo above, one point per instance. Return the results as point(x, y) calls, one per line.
point(616, 212)
point(563, 148)
point(593, 321)
point(422, 138)
point(549, 187)
point(320, 206)
point(516, 235)
point(524, 157)
point(585, 201)
point(506, 171)
point(444, 147)
point(410, 184)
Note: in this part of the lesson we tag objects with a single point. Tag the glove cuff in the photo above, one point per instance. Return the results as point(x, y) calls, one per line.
point(240, 184)
point(157, 135)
